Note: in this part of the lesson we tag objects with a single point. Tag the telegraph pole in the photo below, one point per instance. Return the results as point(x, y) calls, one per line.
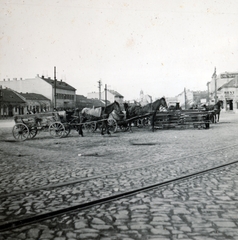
point(105, 95)
point(55, 87)
point(215, 79)
point(185, 99)
point(99, 86)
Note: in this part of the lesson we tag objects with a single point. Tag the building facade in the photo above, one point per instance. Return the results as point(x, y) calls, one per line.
point(144, 99)
point(61, 94)
point(224, 87)
point(109, 95)
point(10, 103)
point(188, 98)
point(35, 103)
point(84, 102)
point(228, 94)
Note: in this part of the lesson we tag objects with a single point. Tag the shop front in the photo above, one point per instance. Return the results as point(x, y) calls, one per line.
point(230, 100)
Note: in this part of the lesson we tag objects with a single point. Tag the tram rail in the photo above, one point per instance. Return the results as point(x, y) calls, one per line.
point(72, 182)
point(41, 217)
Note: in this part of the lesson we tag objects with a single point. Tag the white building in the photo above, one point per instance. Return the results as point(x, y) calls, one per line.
point(65, 94)
point(224, 87)
point(111, 96)
point(144, 99)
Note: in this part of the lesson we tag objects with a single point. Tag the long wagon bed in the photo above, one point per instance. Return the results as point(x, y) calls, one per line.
point(182, 118)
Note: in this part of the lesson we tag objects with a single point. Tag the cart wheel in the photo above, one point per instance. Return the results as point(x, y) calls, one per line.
point(139, 123)
point(93, 126)
point(112, 124)
point(67, 130)
point(33, 132)
point(20, 132)
point(146, 122)
point(57, 130)
point(86, 127)
point(124, 127)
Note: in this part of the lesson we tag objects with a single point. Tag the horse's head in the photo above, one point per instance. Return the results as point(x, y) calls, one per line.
point(113, 106)
point(220, 103)
point(164, 103)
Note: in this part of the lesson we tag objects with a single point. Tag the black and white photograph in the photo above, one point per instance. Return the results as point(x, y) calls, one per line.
point(118, 120)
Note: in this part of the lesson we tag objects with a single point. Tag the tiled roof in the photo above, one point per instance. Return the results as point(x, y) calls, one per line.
point(59, 84)
point(82, 102)
point(231, 84)
point(115, 93)
point(33, 96)
point(9, 96)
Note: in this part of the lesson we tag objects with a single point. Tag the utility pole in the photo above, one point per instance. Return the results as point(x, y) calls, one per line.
point(185, 99)
point(99, 86)
point(105, 95)
point(55, 87)
point(215, 79)
point(150, 103)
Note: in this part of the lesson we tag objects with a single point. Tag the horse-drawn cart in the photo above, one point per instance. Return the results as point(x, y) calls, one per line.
point(27, 126)
point(182, 118)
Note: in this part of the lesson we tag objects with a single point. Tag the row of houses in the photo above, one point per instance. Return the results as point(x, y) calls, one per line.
point(222, 87)
point(18, 96)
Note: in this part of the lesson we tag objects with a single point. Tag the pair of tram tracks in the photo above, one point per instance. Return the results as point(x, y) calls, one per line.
point(155, 163)
point(9, 225)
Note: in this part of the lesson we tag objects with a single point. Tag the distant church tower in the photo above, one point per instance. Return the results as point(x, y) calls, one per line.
point(141, 96)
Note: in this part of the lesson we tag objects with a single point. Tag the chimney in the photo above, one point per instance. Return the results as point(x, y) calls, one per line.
point(15, 79)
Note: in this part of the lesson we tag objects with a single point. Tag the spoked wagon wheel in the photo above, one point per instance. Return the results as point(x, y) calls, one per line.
point(112, 124)
point(32, 132)
point(146, 122)
point(124, 127)
point(20, 132)
point(139, 123)
point(67, 130)
point(93, 126)
point(86, 126)
point(57, 130)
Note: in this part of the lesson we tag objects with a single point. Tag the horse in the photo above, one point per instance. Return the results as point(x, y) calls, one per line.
point(215, 109)
point(136, 110)
point(102, 114)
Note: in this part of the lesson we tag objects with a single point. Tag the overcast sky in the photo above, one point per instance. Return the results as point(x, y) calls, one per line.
point(158, 46)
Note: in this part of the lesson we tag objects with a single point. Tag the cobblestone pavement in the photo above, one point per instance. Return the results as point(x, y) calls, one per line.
point(205, 207)
point(33, 203)
point(44, 161)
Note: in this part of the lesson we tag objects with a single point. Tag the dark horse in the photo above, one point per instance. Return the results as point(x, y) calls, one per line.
point(215, 110)
point(136, 110)
point(105, 111)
